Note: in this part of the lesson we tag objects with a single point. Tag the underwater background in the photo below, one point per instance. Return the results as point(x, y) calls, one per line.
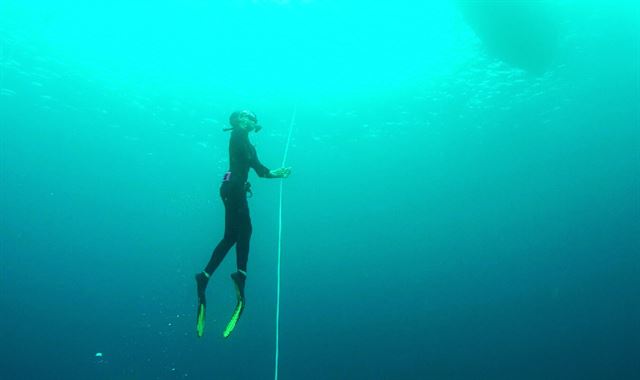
point(464, 203)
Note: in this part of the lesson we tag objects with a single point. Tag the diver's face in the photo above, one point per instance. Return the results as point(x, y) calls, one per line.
point(248, 122)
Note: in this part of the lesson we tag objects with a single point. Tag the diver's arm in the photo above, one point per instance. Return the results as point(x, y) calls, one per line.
point(264, 172)
point(261, 170)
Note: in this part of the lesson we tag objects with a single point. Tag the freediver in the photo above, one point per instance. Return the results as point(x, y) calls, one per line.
point(237, 221)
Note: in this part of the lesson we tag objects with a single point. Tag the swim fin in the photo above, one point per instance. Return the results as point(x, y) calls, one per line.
point(238, 282)
point(201, 283)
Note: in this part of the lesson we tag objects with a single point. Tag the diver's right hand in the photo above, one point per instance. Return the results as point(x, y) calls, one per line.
point(281, 172)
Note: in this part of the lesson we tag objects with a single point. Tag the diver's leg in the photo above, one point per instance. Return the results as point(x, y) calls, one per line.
point(232, 226)
point(242, 250)
point(239, 277)
point(217, 256)
point(230, 237)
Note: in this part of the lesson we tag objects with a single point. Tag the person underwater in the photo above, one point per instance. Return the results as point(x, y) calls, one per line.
point(237, 221)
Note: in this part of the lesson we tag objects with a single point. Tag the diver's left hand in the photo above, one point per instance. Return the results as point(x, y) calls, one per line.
point(281, 172)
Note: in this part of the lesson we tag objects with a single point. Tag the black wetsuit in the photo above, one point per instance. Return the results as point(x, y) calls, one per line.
point(237, 222)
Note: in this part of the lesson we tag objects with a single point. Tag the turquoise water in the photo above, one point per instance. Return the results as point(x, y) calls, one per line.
point(464, 203)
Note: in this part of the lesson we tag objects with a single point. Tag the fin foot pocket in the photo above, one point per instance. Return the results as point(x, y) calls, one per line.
point(238, 282)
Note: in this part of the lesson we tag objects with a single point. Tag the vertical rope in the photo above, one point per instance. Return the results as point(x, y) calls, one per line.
point(284, 160)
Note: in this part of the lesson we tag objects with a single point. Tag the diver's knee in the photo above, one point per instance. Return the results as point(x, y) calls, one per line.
point(230, 239)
